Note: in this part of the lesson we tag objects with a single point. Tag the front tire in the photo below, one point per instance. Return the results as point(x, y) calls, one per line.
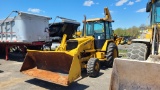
point(93, 67)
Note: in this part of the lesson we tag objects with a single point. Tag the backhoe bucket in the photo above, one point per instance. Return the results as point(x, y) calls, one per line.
point(56, 67)
point(135, 75)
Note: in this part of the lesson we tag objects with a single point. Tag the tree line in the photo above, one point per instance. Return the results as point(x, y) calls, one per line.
point(133, 31)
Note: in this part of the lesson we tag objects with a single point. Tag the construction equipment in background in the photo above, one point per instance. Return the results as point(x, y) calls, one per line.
point(64, 65)
point(126, 40)
point(117, 39)
point(123, 41)
point(129, 42)
point(56, 31)
point(141, 70)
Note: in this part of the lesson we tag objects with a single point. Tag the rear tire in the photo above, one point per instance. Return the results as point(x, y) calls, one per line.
point(138, 51)
point(93, 67)
point(112, 52)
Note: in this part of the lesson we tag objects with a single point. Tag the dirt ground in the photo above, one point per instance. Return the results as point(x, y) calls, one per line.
point(12, 79)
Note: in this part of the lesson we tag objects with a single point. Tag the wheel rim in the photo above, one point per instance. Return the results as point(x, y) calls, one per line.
point(97, 66)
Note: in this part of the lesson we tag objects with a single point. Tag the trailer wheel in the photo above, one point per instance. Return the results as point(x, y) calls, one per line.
point(112, 52)
point(93, 67)
point(138, 51)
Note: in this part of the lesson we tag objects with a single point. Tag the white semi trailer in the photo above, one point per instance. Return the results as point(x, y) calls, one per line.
point(23, 30)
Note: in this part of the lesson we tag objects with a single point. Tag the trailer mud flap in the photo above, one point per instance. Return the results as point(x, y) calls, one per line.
point(55, 67)
point(135, 75)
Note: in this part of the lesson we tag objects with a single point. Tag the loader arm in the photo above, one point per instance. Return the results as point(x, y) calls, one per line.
point(62, 46)
point(80, 56)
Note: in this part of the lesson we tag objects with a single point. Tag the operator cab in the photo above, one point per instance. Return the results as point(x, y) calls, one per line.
point(154, 8)
point(101, 30)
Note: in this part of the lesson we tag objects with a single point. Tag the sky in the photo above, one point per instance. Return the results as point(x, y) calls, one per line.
point(125, 13)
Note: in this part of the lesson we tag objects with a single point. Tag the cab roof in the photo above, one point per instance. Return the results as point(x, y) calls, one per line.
point(98, 19)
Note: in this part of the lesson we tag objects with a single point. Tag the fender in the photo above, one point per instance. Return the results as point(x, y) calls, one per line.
point(106, 45)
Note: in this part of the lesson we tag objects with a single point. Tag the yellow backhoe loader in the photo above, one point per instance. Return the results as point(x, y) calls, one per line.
point(141, 71)
point(64, 65)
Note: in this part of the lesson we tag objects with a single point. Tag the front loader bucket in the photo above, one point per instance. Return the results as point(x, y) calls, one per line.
point(51, 66)
point(135, 75)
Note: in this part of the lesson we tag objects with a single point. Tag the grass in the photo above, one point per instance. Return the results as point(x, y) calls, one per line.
point(122, 53)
